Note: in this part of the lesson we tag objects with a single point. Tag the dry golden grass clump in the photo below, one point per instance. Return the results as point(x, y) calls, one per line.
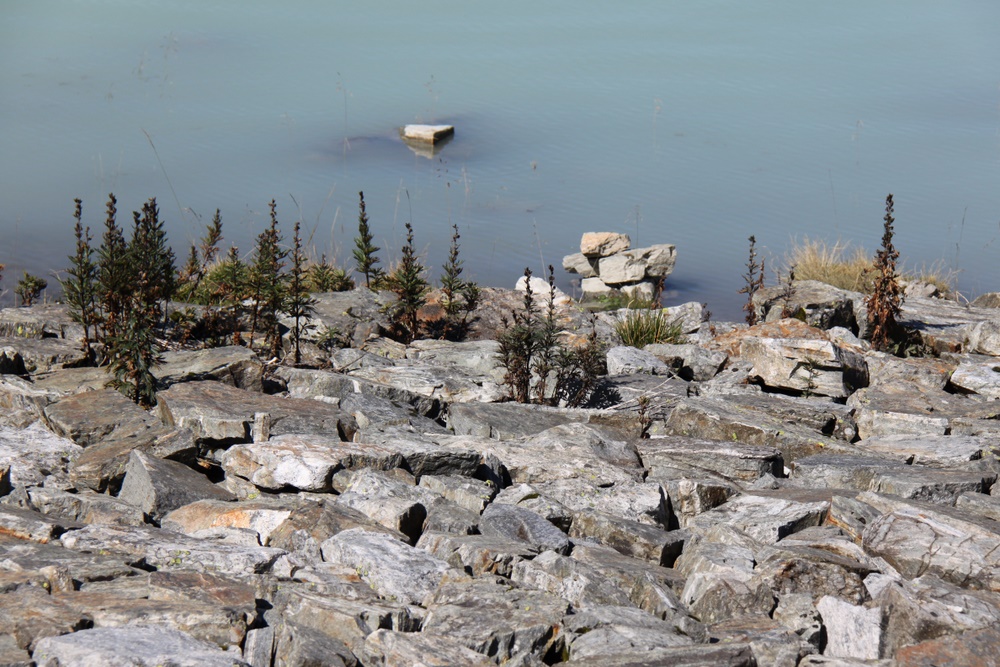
point(848, 268)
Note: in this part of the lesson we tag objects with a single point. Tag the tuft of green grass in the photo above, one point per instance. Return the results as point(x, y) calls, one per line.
point(638, 328)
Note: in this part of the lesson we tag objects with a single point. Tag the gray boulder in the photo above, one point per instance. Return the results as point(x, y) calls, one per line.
point(517, 523)
point(625, 360)
point(156, 486)
point(235, 365)
point(394, 570)
point(145, 646)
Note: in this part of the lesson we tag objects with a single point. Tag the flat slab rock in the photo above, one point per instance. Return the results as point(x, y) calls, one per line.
point(216, 411)
point(143, 646)
point(234, 365)
point(732, 460)
point(765, 518)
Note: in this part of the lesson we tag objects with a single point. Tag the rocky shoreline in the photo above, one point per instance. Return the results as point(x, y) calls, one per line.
point(801, 499)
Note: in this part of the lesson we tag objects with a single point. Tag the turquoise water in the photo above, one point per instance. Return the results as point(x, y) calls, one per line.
point(694, 123)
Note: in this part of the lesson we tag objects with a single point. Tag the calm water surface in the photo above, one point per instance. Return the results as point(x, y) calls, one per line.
point(694, 123)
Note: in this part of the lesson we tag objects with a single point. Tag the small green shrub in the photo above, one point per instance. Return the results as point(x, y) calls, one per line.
point(323, 276)
point(638, 328)
point(885, 303)
point(411, 287)
point(364, 250)
point(299, 304)
point(80, 288)
point(753, 280)
point(459, 297)
point(267, 285)
point(29, 289)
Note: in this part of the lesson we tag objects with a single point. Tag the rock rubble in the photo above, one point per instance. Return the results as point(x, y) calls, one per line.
point(801, 500)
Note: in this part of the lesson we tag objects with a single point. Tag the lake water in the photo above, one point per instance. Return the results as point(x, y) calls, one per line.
point(690, 122)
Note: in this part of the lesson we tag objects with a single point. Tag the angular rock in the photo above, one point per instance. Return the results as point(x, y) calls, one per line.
point(85, 507)
point(625, 360)
point(643, 502)
point(585, 587)
point(818, 304)
point(984, 337)
point(472, 494)
point(477, 554)
point(721, 418)
point(507, 421)
point(303, 462)
point(690, 362)
point(870, 474)
point(621, 268)
point(732, 460)
point(394, 570)
point(918, 538)
point(852, 631)
point(790, 570)
point(215, 411)
point(809, 365)
point(907, 410)
point(158, 549)
point(981, 377)
point(928, 450)
point(157, 486)
point(235, 365)
point(976, 648)
point(94, 416)
point(26, 524)
point(405, 649)
point(394, 504)
point(769, 641)
point(690, 497)
point(579, 263)
point(45, 320)
point(529, 498)
point(602, 244)
point(944, 325)
point(333, 387)
point(33, 453)
point(980, 504)
point(145, 646)
point(610, 631)
point(497, 620)
point(101, 466)
point(593, 287)
point(927, 608)
point(517, 523)
point(448, 384)
point(797, 612)
point(650, 587)
point(37, 355)
point(649, 543)
point(766, 517)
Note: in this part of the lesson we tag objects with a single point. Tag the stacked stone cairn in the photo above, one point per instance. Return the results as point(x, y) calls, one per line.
point(608, 264)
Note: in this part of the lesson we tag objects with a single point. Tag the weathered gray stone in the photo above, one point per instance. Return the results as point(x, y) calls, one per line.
point(980, 504)
point(156, 486)
point(236, 365)
point(472, 494)
point(942, 324)
point(517, 523)
point(928, 450)
point(164, 549)
point(144, 646)
point(984, 337)
point(33, 453)
point(808, 365)
point(602, 244)
point(95, 416)
point(580, 264)
point(333, 387)
point(20, 356)
point(927, 608)
point(12, 655)
point(528, 497)
point(395, 571)
point(649, 543)
point(852, 631)
point(215, 411)
point(507, 421)
point(643, 502)
point(304, 462)
point(449, 384)
point(313, 522)
point(818, 304)
point(583, 586)
point(102, 466)
point(851, 515)
point(477, 554)
point(732, 460)
point(625, 360)
point(976, 648)
point(594, 287)
point(406, 649)
point(979, 376)
point(395, 504)
point(907, 410)
point(770, 642)
point(726, 418)
point(864, 473)
point(690, 362)
point(300, 645)
point(258, 647)
point(497, 620)
point(85, 507)
point(690, 497)
point(919, 538)
point(621, 268)
point(44, 320)
point(649, 586)
point(791, 569)
point(610, 631)
point(27, 524)
point(765, 518)
point(797, 612)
